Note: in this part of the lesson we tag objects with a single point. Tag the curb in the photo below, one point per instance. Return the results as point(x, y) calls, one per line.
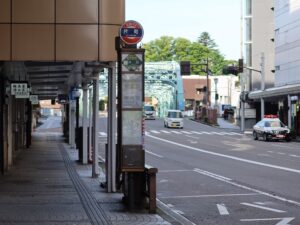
point(165, 209)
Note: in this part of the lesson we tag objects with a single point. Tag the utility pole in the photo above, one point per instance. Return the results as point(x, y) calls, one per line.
point(207, 89)
point(262, 72)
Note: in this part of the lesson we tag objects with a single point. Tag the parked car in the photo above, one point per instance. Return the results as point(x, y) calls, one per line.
point(174, 119)
point(271, 128)
point(149, 112)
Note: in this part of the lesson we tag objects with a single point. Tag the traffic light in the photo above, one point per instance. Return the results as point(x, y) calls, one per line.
point(241, 65)
point(185, 67)
point(230, 70)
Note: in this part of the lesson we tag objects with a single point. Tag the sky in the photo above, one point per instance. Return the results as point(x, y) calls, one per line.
point(188, 19)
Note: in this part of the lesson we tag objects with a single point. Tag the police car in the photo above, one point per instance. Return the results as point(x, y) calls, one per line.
point(271, 128)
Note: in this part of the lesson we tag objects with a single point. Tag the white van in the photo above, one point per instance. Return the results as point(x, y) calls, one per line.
point(149, 112)
point(174, 119)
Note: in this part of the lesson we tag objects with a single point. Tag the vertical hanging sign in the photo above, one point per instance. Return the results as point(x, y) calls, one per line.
point(131, 99)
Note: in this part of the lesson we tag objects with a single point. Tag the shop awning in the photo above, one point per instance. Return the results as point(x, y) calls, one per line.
point(293, 89)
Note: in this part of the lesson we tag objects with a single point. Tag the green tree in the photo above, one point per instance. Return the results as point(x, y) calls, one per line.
point(206, 40)
point(180, 49)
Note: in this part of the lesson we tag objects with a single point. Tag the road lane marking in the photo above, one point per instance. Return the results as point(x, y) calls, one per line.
point(164, 131)
point(175, 132)
point(170, 171)
point(228, 156)
point(155, 132)
point(222, 209)
point(296, 156)
point(186, 132)
point(283, 221)
point(248, 188)
point(218, 133)
point(211, 174)
point(152, 153)
point(236, 133)
point(192, 137)
point(281, 153)
point(204, 132)
point(263, 207)
point(206, 196)
point(196, 132)
point(172, 213)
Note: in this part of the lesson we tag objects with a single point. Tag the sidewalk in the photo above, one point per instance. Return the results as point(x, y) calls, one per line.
point(47, 186)
point(225, 124)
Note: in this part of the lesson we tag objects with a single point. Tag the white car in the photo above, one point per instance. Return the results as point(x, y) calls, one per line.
point(174, 119)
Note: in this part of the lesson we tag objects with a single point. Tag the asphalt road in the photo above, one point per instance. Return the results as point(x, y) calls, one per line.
point(208, 175)
point(216, 176)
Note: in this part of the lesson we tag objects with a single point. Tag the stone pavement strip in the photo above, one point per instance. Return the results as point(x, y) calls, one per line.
point(46, 186)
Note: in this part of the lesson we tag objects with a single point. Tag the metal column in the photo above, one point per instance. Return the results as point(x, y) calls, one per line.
point(262, 106)
point(111, 130)
point(84, 125)
point(95, 167)
point(90, 125)
point(289, 112)
point(72, 120)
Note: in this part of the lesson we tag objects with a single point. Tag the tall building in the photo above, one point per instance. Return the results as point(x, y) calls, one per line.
point(284, 95)
point(259, 55)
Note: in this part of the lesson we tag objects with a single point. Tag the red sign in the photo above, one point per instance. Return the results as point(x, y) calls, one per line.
point(131, 32)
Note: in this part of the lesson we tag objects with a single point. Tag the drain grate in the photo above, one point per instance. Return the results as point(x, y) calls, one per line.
point(93, 210)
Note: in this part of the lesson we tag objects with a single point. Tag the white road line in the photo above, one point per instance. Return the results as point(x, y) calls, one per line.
point(217, 133)
point(152, 153)
point(196, 132)
point(174, 171)
point(155, 132)
point(192, 137)
point(211, 174)
point(229, 156)
point(227, 133)
point(102, 133)
point(204, 132)
point(186, 132)
point(270, 151)
point(281, 153)
point(172, 213)
point(207, 196)
point(296, 156)
point(263, 207)
point(166, 132)
point(175, 132)
point(222, 209)
point(249, 188)
point(283, 221)
point(236, 133)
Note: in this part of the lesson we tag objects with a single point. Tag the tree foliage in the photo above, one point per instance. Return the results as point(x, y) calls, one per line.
point(168, 48)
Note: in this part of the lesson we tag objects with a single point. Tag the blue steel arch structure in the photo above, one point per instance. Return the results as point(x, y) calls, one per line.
point(163, 81)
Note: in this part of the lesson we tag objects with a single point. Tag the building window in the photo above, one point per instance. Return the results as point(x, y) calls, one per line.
point(249, 54)
point(248, 7)
point(248, 29)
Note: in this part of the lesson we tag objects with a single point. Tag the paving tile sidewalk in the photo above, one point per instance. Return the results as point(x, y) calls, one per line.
point(47, 186)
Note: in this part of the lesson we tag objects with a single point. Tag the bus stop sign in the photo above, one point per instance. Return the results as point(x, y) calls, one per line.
point(131, 32)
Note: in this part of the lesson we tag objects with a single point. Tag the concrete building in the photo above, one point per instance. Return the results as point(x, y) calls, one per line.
point(227, 87)
point(258, 54)
point(284, 95)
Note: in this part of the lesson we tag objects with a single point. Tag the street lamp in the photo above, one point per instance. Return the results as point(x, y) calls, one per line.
point(216, 93)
